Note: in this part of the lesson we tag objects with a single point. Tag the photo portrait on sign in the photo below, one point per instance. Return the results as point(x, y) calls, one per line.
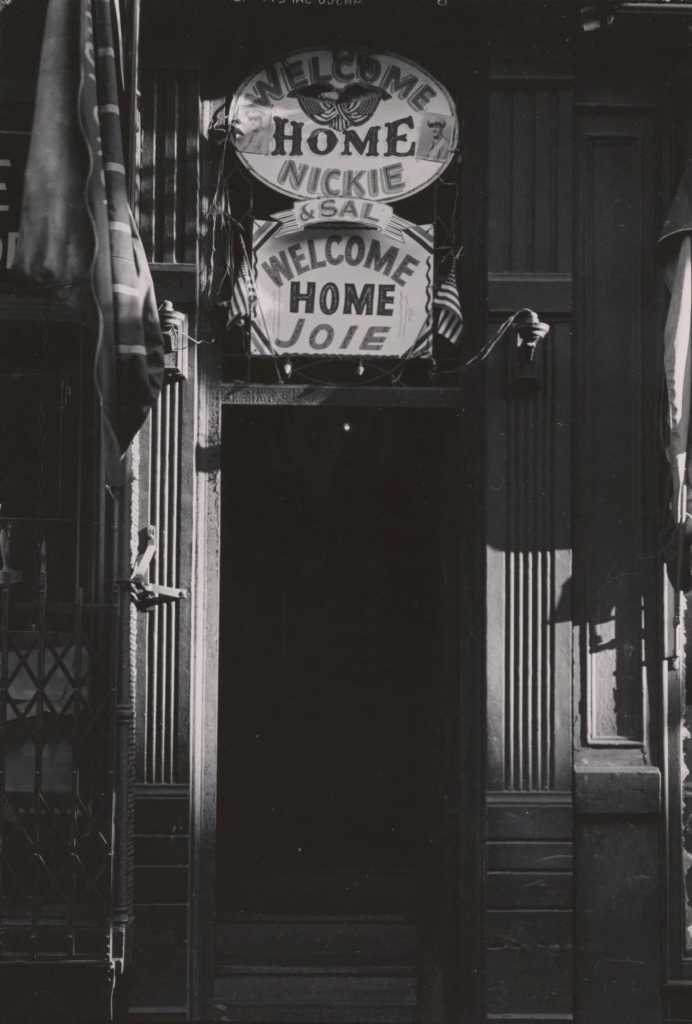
point(434, 138)
point(252, 130)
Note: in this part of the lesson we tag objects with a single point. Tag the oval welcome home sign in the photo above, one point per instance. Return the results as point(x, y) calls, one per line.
point(344, 123)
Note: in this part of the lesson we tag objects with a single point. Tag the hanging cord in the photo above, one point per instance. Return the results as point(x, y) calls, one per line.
point(219, 214)
point(526, 321)
point(530, 328)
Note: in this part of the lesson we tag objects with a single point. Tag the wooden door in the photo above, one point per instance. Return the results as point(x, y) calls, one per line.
point(336, 733)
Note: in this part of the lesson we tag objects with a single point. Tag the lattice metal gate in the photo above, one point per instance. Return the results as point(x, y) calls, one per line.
point(58, 635)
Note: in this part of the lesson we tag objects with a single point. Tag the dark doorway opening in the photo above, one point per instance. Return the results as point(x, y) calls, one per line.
point(335, 694)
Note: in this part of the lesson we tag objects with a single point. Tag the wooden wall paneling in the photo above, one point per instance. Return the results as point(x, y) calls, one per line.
point(529, 880)
point(529, 965)
point(162, 845)
point(614, 161)
point(165, 464)
point(499, 179)
point(169, 179)
point(530, 177)
point(162, 621)
point(528, 443)
point(533, 634)
point(186, 577)
point(617, 514)
point(159, 977)
point(679, 1002)
point(530, 907)
point(150, 87)
point(189, 176)
point(204, 679)
point(168, 214)
point(522, 169)
point(168, 166)
point(619, 919)
point(168, 205)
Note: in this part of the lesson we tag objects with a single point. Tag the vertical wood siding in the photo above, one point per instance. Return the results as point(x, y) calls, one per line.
point(571, 571)
point(162, 680)
point(528, 443)
point(615, 242)
point(162, 800)
point(529, 178)
point(529, 851)
point(169, 164)
point(617, 522)
point(168, 217)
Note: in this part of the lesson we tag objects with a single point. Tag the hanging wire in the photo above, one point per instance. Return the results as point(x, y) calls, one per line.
point(395, 371)
point(220, 217)
point(486, 349)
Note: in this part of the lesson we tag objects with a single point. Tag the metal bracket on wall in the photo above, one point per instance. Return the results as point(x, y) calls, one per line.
point(529, 331)
point(145, 595)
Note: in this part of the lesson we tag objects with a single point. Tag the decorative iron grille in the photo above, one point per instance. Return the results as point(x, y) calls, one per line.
point(55, 745)
point(55, 843)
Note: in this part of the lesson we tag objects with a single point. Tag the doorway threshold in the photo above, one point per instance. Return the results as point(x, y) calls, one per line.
point(315, 970)
point(324, 998)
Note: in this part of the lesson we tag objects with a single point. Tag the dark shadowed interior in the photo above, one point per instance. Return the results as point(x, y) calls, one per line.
point(331, 569)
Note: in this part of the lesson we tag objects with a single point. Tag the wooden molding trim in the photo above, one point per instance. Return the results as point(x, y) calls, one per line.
point(162, 791)
point(176, 282)
point(617, 790)
point(549, 294)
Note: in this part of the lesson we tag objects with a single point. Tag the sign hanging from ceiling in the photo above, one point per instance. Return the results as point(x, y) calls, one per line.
point(344, 123)
point(342, 290)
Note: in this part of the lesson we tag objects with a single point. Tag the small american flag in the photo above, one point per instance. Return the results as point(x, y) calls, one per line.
point(450, 320)
point(243, 297)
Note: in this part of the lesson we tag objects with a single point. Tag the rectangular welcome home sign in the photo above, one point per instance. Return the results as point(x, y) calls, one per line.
point(342, 289)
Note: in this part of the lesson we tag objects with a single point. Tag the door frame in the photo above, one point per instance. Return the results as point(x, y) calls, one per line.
point(213, 397)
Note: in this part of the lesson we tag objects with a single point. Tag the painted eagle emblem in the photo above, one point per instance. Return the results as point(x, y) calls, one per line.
point(339, 108)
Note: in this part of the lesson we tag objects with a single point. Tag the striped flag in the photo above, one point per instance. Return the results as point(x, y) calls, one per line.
point(243, 297)
point(77, 234)
point(675, 248)
point(245, 308)
point(450, 319)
